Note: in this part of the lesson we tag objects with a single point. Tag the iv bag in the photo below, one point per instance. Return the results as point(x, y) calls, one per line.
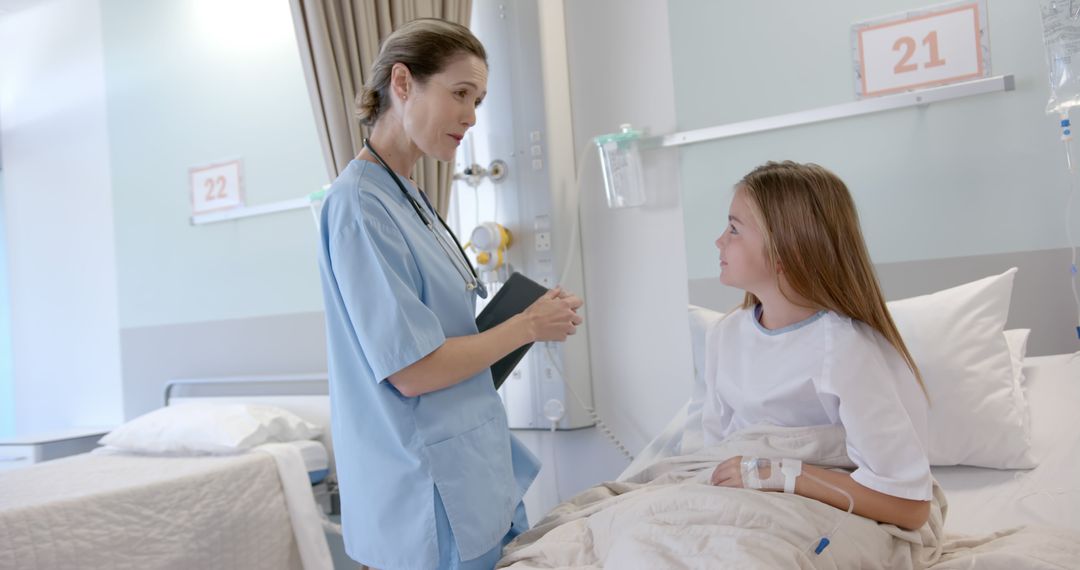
point(620, 161)
point(1061, 35)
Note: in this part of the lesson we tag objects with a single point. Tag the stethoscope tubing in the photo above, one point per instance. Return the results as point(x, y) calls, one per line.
point(470, 285)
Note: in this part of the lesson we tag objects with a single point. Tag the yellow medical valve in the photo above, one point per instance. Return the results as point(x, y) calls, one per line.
point(490, 241)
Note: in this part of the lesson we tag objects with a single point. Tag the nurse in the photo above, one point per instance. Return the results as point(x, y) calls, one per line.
point(429, 473)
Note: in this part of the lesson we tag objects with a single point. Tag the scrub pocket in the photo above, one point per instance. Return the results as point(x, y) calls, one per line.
point(475, 478)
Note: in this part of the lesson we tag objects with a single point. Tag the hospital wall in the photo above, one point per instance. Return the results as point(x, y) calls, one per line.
point(105, 107)
point(190, 83)
point(58, 219)
point(635, 265)
point(633, 260)
point(7, 390)
point(947, 192)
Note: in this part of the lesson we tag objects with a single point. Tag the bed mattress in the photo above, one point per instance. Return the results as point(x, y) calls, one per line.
point(984, 500)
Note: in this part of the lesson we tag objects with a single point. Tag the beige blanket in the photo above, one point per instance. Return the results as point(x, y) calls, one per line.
point(118, 511)
point(668, 516)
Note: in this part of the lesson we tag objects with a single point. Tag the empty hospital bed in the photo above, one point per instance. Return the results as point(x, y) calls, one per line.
point(115, 509)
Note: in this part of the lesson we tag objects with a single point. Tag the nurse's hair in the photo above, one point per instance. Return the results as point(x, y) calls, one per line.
point(811, 230)
point(425, 46)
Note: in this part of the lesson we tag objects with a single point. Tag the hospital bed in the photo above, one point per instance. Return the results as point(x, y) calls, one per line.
point(986, 500)
point(982, 500)
point(634, 523)
point(115, 509)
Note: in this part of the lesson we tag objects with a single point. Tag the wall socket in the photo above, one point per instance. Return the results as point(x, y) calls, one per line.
point(543, 241)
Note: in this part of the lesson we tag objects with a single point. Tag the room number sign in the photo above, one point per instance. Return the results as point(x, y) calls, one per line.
point(216, 187)
point(924, 48)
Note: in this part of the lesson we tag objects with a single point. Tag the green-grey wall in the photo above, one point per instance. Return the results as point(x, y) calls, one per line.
point(7, 395)
point(973, 176)
point(191, 82)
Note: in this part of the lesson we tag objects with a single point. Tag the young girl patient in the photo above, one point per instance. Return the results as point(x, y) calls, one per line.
point(813, 344)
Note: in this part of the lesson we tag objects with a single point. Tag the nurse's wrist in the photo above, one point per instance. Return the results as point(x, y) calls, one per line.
point(524, 328)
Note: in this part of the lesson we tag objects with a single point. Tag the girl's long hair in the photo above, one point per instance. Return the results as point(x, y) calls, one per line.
point(812, 234)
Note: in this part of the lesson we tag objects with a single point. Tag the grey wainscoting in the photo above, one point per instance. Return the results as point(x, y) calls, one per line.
point(279, 344)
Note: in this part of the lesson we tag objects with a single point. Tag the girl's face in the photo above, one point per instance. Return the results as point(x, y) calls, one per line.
point(438, 112)
point(743, 263)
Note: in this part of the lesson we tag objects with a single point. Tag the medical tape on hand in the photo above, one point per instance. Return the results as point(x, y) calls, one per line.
point(782, 475)
point(791, 469)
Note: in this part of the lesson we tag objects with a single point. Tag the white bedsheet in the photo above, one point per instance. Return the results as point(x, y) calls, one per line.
point(307, 525)
point(117, 511)
point(984, 500)
point(315, 455)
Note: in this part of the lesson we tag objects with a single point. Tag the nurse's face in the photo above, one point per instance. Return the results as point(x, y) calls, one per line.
point(438, 111)
point(743, 262)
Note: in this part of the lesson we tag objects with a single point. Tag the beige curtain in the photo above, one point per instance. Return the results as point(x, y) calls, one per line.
point(339, 39)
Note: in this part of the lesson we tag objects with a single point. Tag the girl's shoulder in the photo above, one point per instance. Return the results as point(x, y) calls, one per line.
point(847, 329)
point(853, 335)
point(719, 322)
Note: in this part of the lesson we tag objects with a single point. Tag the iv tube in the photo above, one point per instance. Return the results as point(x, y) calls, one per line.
point(1066, 138)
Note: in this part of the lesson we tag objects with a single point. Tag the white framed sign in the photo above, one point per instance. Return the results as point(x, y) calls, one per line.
point(924, 48)
point(216, 187)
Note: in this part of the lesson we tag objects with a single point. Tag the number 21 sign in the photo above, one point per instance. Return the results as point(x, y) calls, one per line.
point(935, 46)
point(216, 187)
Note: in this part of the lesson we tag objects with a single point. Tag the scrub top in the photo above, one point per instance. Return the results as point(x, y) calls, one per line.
point(393, 296)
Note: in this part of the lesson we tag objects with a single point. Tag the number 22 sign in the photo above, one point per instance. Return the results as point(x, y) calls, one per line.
point(939, 45)
point(216, 187)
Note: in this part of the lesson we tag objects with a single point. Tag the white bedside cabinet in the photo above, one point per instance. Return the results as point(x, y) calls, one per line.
point(21, 451)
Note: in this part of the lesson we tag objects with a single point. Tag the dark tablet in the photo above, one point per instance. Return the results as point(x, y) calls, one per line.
point(514, 297)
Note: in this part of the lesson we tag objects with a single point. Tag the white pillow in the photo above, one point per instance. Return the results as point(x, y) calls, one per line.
point(701, 320)
point(209, 428)
point(956, 336)
point(1017, 340)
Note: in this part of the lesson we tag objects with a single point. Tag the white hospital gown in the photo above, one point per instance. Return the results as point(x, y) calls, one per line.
point(826, 370)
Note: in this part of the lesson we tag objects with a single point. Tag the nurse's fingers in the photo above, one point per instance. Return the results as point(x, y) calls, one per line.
point(574, 300)
point(577, 320)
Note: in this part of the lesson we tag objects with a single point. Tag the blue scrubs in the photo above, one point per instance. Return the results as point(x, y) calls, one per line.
point(426, 482)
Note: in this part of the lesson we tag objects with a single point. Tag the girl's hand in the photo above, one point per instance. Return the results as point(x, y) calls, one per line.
point(728, 473)
point(553, 317)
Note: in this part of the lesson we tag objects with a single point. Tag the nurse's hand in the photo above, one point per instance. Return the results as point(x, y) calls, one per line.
point(574, 300)
point(553, 317)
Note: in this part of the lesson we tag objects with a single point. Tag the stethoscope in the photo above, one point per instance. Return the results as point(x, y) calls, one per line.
point(472, 281)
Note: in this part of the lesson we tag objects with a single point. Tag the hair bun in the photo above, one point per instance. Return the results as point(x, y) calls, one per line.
point(367, 106)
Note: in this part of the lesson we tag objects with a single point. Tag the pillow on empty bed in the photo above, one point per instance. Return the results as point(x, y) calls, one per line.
point(209, 428)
